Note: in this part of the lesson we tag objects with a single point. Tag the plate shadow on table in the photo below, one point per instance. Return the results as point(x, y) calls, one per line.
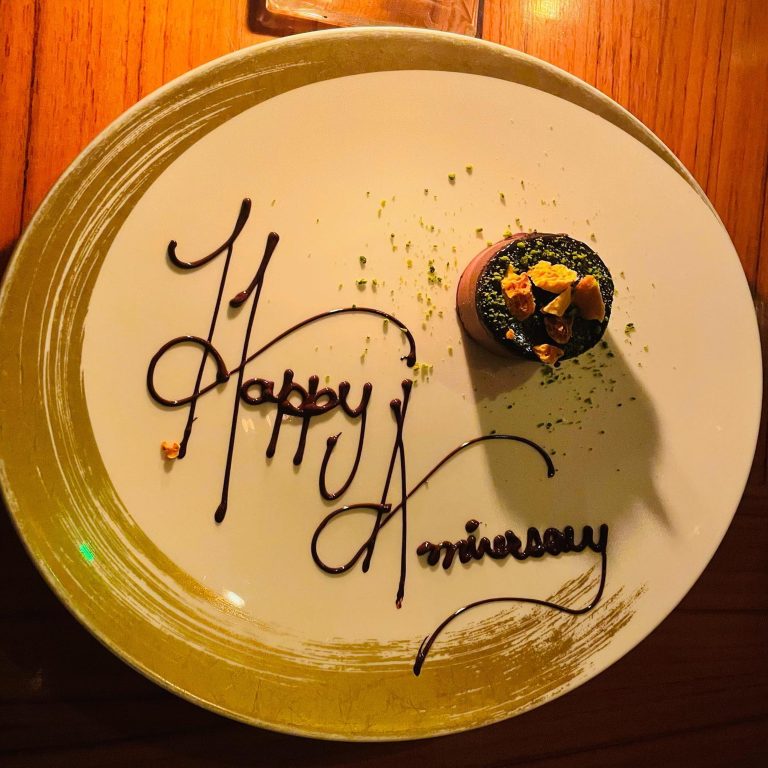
point(5, 257)
point(56, 675)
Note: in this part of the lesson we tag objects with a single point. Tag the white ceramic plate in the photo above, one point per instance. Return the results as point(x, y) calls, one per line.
point(384, 160)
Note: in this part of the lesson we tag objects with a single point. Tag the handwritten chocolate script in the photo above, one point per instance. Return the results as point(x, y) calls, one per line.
point(291, 398)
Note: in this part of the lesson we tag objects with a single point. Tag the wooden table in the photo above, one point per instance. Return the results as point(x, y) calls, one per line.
point(696, 691)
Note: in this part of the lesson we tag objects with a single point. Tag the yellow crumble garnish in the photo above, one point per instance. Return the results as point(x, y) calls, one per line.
point(548, 353)
point(559, 304)
point(554, 278)
point(510, 334)
point(518, 295)
point(588, 299)
point(170, 449)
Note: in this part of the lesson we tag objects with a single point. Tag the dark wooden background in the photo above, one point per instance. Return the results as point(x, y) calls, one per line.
point(695, 693)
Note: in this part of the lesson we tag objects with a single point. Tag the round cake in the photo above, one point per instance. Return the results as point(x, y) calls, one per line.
point(540, 296)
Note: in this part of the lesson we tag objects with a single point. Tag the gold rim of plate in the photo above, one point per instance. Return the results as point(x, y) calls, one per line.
point(80, 536)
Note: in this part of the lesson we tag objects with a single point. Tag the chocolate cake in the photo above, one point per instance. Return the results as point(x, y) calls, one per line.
point(544, 297)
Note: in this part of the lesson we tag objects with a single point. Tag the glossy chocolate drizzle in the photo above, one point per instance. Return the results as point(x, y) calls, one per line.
point(228, 247)
point(553, 542)
point(360, 411)
point(384, 512)
point(314, 401)
point(536, 550)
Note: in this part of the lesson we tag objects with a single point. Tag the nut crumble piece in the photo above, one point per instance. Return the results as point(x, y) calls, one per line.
point(559, 304)
point(559, 329)
point(548, 353)
point(588, 299)
point(554, 278)
point(170, 449)
point(518, 295)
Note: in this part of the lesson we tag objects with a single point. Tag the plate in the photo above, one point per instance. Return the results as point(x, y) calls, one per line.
point(320, 376)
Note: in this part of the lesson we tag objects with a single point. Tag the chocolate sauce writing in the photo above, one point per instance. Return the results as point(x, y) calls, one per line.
point(292, 399)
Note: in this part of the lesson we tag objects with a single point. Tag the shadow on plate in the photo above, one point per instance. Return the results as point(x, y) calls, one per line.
point(593, 417)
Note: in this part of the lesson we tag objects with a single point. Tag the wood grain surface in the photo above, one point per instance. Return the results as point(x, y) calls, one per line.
point(695, 692)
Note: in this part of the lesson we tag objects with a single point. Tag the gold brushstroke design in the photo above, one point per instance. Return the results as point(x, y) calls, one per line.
point(130, 594)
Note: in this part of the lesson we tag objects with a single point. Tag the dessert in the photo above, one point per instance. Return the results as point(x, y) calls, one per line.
point(544, 297)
